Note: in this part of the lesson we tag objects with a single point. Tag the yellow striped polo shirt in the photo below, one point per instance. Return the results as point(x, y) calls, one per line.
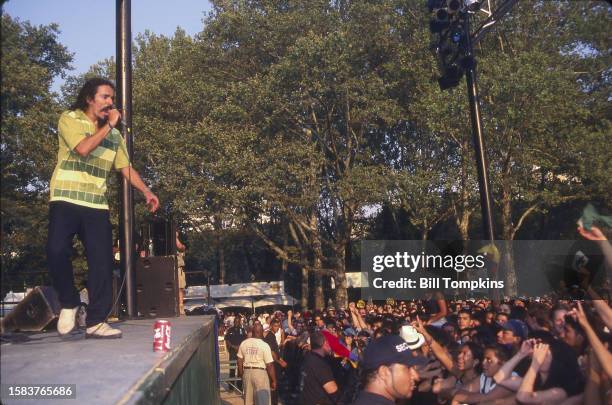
point(82, 180)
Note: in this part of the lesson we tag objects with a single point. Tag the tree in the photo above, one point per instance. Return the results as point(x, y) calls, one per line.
point(293, 121)
point(31, 58)
point(537, 114)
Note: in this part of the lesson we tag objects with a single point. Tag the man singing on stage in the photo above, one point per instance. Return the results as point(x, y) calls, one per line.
point(89, 146)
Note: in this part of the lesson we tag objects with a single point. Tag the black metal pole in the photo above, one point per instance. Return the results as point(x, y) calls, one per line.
point(479, 144)
point(479, 149)
point(124, 104)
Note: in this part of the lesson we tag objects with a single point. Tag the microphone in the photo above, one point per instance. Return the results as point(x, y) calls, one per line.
point(121, 119)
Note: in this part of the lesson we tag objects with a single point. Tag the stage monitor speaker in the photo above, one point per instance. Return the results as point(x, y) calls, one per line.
point(34, 312)
point(157, 287)
point(159, 237)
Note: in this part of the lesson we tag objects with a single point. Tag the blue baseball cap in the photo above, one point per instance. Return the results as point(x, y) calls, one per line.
point(388, 350)
point(349, 332)
point(517, 327)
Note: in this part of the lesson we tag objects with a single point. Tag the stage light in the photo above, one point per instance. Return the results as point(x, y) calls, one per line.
point(442, 14)
point(448, 25)
point(434, 4)
point(456, 34)
point(454, 6)
point(473, 5)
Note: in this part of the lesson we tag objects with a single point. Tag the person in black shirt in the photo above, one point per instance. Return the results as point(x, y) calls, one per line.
point(318, 386)
point(389, 372)
point(279, 362)
point(233, 337)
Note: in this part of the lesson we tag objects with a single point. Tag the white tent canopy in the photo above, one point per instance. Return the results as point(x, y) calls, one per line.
point(275, 300)
point(256, 289)
point(233, 302)
point(246, 295)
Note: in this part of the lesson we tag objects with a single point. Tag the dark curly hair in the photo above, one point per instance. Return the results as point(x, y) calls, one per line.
point(88, 92)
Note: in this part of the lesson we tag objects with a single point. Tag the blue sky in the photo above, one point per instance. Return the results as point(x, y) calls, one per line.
point(88, 27)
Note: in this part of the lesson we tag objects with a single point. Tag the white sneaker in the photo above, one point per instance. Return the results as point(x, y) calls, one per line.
point(102, 331)
point(66, 322)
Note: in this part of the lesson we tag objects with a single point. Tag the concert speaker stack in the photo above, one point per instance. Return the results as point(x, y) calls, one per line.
point(157, 287)
point(158, 237)
point(34, 312)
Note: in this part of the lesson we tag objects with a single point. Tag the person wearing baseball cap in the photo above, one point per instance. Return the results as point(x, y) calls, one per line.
point(512, 334)
point(412, 337)
point(389, 372)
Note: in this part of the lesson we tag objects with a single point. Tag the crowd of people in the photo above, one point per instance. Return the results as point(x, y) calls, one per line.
point(436, 350)
point(515, 351)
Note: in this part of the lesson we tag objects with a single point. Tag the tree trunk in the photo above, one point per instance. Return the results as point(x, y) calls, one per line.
point(463, 217)
point(319, 297)
point(340, 279)
point(317, 251)
point(463, 225)
point(221, 262)
point(511, 287)
point(508, 260)
point(218, 229)
point(284, 262)
point(248, 259)
point(305, 290)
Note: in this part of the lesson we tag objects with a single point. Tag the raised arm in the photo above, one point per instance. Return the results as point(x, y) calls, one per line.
point(602, 354)
point(595, 234)
point(526, 394)
point(506, 370)
point(441, 354)
point(602, 308)
point(289, 319)
point(358, 321)
point(88, 144)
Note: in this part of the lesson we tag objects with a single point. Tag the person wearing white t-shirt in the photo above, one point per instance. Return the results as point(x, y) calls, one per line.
point(256, 367)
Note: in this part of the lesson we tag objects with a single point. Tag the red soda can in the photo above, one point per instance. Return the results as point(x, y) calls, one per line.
point(161, 336)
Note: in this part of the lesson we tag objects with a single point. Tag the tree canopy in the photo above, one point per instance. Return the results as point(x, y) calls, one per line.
point(285, 132)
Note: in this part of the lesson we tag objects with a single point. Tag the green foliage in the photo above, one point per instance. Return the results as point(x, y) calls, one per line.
point(31, 58)
point(304, 126)
point(313, 114)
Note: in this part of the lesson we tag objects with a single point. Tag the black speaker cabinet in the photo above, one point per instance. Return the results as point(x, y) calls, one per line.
point(34, 312)
point(158, 237)
point(157, 287)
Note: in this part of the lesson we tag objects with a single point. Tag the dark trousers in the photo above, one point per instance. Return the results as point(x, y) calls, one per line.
point(94, 230)
point(233, 355)
point(278, 370)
